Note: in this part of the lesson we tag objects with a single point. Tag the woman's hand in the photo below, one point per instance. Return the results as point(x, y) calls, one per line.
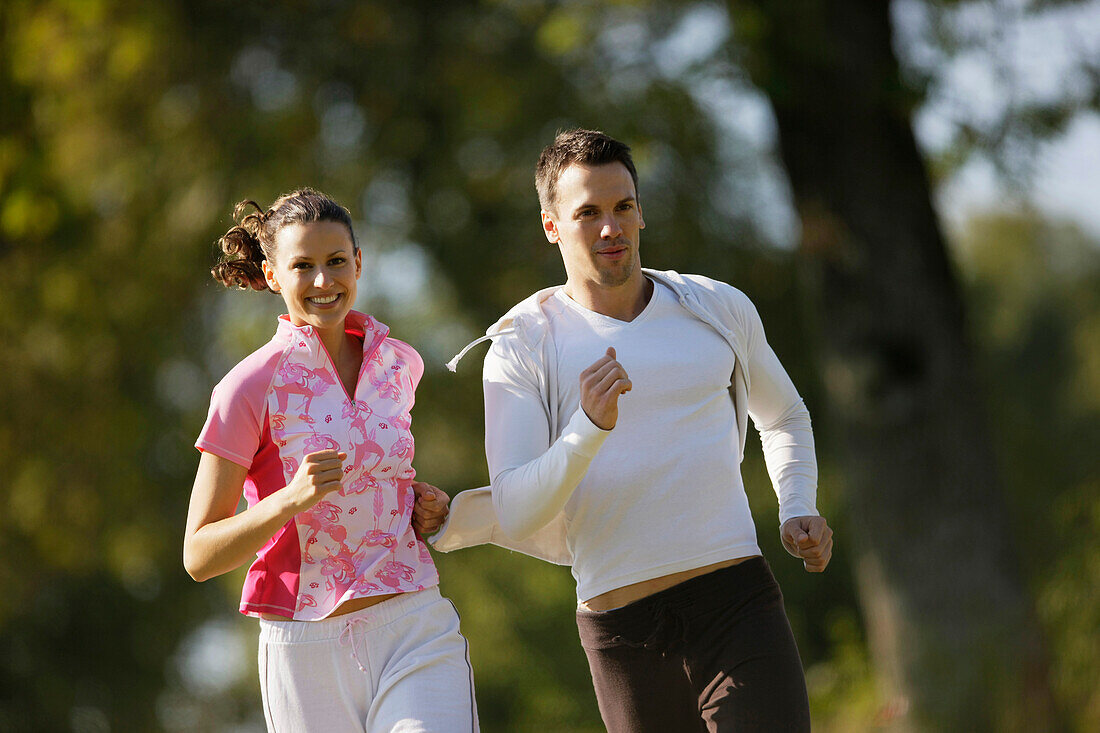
point(431, 508)
point(319, 474)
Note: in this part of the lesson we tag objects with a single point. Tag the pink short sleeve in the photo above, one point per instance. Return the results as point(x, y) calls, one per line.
point(238, 408)
point(412, 358)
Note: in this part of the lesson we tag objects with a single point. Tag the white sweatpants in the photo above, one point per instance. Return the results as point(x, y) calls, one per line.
point(401, 666)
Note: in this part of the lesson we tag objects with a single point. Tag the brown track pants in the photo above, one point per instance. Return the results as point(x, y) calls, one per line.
point(715, 653)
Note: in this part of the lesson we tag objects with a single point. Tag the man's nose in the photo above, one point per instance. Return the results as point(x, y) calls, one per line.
point(611, 229)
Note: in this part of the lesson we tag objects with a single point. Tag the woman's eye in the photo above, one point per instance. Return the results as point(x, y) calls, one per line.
point(337, 261)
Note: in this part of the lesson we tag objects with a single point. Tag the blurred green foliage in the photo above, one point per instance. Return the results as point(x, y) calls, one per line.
point(127, 132)
point(1035, 300)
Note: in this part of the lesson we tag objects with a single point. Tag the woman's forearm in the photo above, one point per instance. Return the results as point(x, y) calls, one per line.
point(217, 538)
point(220, 546)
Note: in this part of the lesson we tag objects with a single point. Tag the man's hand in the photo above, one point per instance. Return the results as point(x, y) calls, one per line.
point(601, 385)
point(431, 508)
point(810, 539)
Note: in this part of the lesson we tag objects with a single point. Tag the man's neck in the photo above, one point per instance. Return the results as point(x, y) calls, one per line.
point(623, 303)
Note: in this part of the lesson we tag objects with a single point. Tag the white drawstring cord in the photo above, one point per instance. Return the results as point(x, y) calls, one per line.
point(452, 365)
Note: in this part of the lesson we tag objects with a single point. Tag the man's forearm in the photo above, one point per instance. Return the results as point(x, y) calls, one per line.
point(788, 445)
point(528, 496)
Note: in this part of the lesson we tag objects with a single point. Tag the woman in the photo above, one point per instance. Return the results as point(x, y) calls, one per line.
point(313, 428)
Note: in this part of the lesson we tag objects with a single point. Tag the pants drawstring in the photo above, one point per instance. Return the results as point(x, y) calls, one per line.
point(669, 630)
point(347, 638)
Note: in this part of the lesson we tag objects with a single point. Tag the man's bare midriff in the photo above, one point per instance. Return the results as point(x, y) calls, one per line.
point(355, 604)
point(636, 591)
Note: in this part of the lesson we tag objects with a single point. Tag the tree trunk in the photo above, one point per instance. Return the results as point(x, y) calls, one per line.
point(949, 621)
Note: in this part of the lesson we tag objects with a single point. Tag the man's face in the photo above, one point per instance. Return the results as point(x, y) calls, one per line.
point(595, 220)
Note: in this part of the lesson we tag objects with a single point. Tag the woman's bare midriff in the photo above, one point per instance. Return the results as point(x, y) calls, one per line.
point(355, 604)
point(636, 591)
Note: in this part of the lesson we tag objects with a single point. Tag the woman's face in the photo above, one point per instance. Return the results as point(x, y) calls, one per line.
point(315, 270)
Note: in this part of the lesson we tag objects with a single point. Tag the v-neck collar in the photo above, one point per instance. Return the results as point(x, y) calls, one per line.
point(372, 331)
point(610, 320)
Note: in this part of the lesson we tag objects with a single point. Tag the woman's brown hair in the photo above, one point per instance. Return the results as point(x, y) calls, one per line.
point(252, 240)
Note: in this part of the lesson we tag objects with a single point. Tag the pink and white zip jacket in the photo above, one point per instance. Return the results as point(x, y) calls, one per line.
point(285, 401)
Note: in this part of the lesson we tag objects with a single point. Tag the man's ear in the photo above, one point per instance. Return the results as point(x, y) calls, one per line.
point(549, 228)
point(269, 276)
point(641, 220)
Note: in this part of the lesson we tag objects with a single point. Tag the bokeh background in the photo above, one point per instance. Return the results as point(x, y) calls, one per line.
point(909, 191)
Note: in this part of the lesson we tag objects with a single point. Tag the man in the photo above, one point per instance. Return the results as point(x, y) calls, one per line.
point(615, 421)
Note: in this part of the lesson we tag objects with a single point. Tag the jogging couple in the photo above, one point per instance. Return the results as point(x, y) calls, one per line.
point(616, 413)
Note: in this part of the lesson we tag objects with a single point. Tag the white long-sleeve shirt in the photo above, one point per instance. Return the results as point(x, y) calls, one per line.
point(661, 492)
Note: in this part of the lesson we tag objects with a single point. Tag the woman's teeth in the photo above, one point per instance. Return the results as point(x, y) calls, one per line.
point(323, 299)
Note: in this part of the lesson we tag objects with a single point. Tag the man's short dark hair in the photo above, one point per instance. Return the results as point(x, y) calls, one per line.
point(587, 147)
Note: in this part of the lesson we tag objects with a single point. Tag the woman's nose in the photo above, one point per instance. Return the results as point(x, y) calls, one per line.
point(322, 278)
